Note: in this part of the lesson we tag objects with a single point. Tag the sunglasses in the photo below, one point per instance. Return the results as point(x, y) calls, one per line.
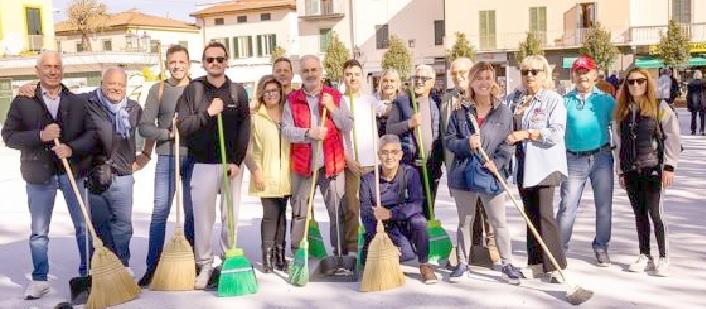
point(639, 81)
point(534, 72)
point(220, 60)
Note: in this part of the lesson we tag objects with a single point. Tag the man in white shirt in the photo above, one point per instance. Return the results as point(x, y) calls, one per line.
point(664, 85)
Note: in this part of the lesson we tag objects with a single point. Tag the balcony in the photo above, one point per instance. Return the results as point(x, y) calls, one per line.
point(575, 37)
point(35, 42)
point(650, 35)
point(323, 9)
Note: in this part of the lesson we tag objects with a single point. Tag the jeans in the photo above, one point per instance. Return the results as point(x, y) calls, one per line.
point(694, 115)
point(41, 205)
point(599, 168)
point(164, 187)
point(111, 212)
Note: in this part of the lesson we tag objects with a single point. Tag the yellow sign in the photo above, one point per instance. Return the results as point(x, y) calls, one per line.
point(694, 47)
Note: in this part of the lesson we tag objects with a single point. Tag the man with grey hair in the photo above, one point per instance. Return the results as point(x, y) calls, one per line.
point(307, 132)
point(33, 123)
point(399, 206)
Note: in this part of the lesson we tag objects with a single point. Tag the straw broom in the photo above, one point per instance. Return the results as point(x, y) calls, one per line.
point(439, 241)
point(110, 283)
point(299, 270)
point(575, 295)
point(382, 267)
point(175, 271)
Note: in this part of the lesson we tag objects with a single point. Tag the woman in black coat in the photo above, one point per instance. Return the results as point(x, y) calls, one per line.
point(696, 101)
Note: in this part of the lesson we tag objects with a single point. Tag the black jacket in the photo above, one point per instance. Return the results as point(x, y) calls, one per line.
point(200, 131)
point(125, 151)
point(28, 116)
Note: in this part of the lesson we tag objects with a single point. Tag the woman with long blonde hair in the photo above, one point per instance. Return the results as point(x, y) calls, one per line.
point(648, 143)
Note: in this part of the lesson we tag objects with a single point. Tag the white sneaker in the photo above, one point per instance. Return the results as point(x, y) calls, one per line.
point(642, 264)
point(202, 279)
point(36, 289)
point(533, 271)
point(662, 267)
point(130, 272)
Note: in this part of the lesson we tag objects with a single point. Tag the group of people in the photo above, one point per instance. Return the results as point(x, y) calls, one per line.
point(533, 135)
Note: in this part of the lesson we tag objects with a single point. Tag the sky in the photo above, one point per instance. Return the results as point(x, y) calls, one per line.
point(177, 9)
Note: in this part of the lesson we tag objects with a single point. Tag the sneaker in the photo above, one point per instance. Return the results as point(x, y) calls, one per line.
point(602, 258)
point(202, 279)
point(457, 272)
point(146, 279)
point(36, 289)
point(428, 275)
point(130, 272)
point(662, 267)
point(642, 264)
point(533, 271)
point(511, 274)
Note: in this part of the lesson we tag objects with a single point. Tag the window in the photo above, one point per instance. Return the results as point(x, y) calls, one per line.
point(681, 11)
point(242, 45)
point(131, 41)
point(154, 46)
point(439, 32)
point(242, 19)
point(324, 38)
point(34, 21)
point(382, 37)
point(538, 23)
point(312, 7)
point(79, 47)
point(265, 16)
point(411, 43)
point(265, 44)
point(218, 21)
point(487, 30)
point(107, 45)
point(184, 44)
point(587, 15)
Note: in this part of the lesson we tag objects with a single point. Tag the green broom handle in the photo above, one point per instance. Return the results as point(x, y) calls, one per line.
point(177, 175)
point(225, 189)
point(502, 182)
point(425, 172)
point(315, 173)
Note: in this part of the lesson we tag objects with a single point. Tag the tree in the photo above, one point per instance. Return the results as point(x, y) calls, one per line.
point(529, 47)
point(397, 57)
point(336, 55)
point(461, 48)
point(277, 52)
point(88, 16)
point(674, 47)
point(598, 45)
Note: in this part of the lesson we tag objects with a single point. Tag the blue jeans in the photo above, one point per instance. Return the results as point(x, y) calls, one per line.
point(41, 205)
point(599, 168)
point(164, 187)
point(111, 212)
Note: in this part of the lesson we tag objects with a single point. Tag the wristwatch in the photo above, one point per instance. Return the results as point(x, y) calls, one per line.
point(306, 133)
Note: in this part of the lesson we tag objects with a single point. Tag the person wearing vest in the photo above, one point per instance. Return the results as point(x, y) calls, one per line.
point(402, 121)
point(401, 207)
point(33, 122)
point(588, 156)
point(648, 143)
point(303, 128)
point(271, 173)
point(156, 124)
point(197, 109)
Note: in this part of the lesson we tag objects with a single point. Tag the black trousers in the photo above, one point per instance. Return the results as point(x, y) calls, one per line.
point(538, 204)
point(434, 176)
point(700, 115)
point(273, 228)
point(644, 190)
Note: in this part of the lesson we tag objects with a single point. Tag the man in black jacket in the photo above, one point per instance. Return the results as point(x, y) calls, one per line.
point(32, 125)
point(198, 107)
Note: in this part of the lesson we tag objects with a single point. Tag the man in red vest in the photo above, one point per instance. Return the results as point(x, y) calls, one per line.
point(302, 126)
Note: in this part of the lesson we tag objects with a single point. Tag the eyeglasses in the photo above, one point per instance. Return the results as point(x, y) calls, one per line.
point(386, 153)
point(220, 60)
point(421, 78)
point(270, 93)
point(639, 81)
point(534, 72)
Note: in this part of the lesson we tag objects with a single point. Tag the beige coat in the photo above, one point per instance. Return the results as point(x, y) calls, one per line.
point(270, 153)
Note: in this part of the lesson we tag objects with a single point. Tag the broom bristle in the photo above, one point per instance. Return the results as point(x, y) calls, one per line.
point(577, 295)
point(175, 271)
point(299, 270)
point(439, 242)
point(382, 267)
point(237, 277)
point(110, 283)
point(317, 248)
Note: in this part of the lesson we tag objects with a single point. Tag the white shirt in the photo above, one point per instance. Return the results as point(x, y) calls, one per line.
point(364, 126)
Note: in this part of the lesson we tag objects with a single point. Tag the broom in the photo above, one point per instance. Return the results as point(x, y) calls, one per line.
point(361, 228)
point(237, 273)
point(575, 295)
point(175, 271)
point(439, 241)
point(110, 283)
point(299, 271)
point(317, 248)
point(382, 266)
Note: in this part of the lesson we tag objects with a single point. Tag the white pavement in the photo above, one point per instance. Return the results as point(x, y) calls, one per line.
point(613, 286)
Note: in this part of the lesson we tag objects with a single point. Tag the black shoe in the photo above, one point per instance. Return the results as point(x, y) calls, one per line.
point(268, 253)
point(693, 132)
point(602, 258)
point(279, 258)
point(213, 280)
point(146, 279)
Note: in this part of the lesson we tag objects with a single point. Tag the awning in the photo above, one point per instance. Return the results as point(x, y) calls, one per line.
point(568, 62)
point(656, 63)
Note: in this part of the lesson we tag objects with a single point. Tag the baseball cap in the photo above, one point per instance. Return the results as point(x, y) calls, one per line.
point(583, 63)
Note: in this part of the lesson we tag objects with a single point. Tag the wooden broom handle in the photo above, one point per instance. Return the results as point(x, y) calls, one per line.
point(177, 175)
point(315, 172)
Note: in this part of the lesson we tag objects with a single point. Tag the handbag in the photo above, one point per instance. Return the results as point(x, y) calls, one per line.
point(478, 178)
point(100, 176)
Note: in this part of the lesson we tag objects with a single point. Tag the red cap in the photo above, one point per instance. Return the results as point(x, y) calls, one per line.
point(583, 63)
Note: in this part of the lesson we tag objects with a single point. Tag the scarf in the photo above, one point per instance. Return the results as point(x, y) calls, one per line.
point(118, 112)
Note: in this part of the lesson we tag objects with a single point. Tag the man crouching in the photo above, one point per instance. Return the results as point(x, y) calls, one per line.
point(401, 199)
